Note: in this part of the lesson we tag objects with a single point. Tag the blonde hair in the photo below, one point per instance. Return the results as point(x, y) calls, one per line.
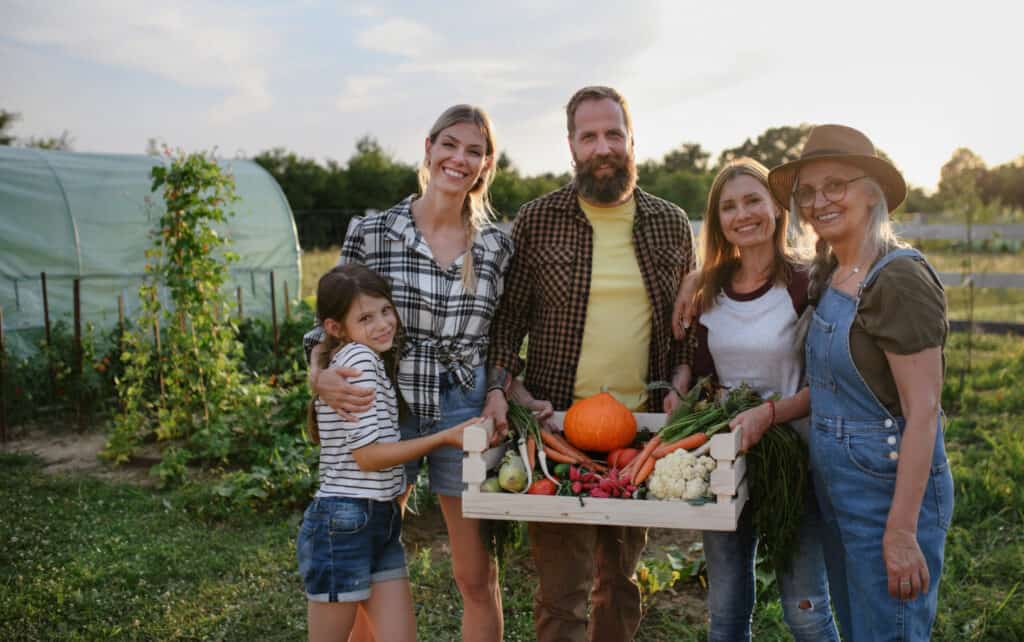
point(719, 257)
point(476, 210)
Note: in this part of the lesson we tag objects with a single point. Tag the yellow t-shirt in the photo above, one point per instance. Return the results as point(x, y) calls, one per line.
point(617, 332)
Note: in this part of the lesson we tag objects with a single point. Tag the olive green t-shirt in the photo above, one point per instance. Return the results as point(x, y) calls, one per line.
point(902, 311)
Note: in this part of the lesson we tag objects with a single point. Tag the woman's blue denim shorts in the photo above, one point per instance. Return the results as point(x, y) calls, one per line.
point(444, 465)
point(345, 544)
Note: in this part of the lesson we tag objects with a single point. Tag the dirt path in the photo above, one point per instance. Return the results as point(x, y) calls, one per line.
point(64, 451)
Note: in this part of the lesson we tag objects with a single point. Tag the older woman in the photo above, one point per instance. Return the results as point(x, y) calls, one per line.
point(877, 327)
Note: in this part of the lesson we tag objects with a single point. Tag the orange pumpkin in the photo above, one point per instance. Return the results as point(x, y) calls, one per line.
point(599, 423)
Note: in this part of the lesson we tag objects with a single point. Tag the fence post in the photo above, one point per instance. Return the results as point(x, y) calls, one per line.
point(3, 366)
point(46, 328)
point(77, 351)
point(238, 293)
point(273, 311)
point(287, 301)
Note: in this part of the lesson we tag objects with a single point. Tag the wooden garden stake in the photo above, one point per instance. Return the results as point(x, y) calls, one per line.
point(159, 358)
point(77, 350)
point(287, 301)
point(238, 293)
point(3, 363)
point(46, 329)
point(273, 311)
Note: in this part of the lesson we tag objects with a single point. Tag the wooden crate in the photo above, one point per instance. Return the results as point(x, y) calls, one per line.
point(728, 484)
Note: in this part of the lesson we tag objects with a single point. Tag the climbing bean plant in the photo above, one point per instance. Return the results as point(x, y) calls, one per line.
point(182, 377)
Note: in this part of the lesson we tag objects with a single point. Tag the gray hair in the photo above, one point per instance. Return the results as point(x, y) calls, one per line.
point(879, 239)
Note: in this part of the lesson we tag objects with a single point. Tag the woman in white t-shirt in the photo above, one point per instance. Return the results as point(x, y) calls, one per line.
point(751, 293)
point(349, 546)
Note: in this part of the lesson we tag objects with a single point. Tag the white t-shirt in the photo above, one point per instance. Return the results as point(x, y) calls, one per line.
point(752, 339)
point(339, 473)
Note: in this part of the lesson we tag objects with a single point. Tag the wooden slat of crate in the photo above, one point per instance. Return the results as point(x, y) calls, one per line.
point(729, 485)
point(589, 510)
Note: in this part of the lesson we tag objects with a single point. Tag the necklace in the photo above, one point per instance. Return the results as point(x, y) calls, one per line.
point(855, 270)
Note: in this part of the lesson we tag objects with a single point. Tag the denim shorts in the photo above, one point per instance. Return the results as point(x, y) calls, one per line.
point(444, 465)
point(345, 544)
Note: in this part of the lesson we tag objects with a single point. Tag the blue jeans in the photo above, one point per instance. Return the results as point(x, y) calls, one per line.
point(345, 544)
point(730, 557)
point(444, 465)
point(857, 479)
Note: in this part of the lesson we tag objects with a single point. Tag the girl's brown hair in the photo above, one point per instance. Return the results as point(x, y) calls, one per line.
point(476, 210)
point(720, 257)
point(335, 293)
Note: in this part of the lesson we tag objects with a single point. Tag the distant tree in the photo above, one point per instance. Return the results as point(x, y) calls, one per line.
point(690, 157)
point(960, 175)
point(7, 118)
point(62, 143)
point(919, 203)
point(1004, 184)
point(687, 189)
point(777, 145)
point(374, 179)
point(301, 179)
point(504, 161)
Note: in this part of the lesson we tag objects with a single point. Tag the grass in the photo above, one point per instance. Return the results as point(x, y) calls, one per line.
point(85, 559)
point(314, 264)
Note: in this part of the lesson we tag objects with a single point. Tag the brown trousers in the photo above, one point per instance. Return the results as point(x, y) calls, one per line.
point(577, 560)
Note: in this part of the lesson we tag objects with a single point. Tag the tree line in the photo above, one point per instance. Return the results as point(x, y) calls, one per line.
point(325, 195)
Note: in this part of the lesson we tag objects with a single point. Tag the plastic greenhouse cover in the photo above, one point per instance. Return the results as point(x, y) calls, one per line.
point(89, 216)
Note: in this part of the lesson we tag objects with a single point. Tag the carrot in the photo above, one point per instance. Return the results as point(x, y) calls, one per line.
point(551, 440)
point(559, 456)
point(557, 442)
point(531, 452)
point(645, 454)
point(695, 440)
point(644, 472)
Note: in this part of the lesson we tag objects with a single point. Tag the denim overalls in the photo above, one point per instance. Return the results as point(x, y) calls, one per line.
point(855, 447)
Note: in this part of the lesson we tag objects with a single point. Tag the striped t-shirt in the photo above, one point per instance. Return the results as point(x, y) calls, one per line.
point(339, 473)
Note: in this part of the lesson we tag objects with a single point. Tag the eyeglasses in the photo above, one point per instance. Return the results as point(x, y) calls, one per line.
point(833, 190)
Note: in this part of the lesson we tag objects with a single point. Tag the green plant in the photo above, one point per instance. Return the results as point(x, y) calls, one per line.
point(194, 359)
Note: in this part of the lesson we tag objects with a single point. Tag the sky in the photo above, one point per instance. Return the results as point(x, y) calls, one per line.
point(920, 78)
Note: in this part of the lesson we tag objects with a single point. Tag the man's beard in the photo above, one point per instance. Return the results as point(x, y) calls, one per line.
point(605, 189)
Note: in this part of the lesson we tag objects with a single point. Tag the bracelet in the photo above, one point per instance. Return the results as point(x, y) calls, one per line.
point(499, 379)
point(771, 406)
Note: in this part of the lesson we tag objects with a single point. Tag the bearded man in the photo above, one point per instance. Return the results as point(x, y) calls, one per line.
point(596, 268)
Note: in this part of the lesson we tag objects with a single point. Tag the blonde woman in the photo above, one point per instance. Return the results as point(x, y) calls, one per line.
point(446, 264)
point(874, 353)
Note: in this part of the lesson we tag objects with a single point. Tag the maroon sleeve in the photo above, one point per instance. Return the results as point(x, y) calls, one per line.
point(797, 289)
point(703, 362)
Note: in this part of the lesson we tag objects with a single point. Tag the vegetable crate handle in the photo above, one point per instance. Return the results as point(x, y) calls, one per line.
point(478, 457)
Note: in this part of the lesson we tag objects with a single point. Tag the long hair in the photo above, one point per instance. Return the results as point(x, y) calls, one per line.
point(476, 210)
point(720, 257)
point(335, 293)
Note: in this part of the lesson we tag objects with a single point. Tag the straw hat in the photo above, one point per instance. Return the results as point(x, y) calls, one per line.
point(846, 145)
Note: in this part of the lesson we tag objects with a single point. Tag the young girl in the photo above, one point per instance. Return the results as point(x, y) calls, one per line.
point(349, 551)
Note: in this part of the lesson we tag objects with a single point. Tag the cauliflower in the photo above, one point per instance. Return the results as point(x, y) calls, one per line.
point(680, 475)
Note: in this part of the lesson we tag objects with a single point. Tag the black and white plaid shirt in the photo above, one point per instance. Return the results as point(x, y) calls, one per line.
point(446, 327)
